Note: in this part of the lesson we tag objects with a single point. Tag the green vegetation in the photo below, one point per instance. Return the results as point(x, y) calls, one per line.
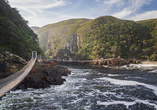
point(15, 35)
point(60, 36)
point(107, 36)
point(103, 37)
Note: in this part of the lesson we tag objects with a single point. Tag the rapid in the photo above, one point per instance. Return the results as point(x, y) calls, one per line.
point(92, 88)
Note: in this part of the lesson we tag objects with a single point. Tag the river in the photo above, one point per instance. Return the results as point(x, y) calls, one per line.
point(92, 88)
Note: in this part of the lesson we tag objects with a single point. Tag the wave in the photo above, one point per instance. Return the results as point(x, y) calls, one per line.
point(146, 67)
point(127, 104)
point(129, 83)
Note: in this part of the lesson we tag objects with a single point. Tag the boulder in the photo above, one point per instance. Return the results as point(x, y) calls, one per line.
point(117, 62)
point(3, 67)
point(43, 75)
point(95, 62)
point(101, 62)
point(8, 67)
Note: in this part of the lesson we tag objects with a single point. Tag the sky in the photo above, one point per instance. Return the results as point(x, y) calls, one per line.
point(43, 12)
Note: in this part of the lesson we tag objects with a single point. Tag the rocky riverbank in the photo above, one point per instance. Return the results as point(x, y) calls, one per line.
point(115, 62)
point(149, 62)
point(108, 62)
point(42, 75)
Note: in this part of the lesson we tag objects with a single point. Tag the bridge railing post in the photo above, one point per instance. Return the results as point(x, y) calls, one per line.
point(34, 53)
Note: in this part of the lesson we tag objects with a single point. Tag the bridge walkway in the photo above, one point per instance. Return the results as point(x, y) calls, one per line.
point(6, 84)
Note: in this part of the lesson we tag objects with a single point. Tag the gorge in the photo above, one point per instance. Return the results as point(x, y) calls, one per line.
point(103, 37)
point(99, 85)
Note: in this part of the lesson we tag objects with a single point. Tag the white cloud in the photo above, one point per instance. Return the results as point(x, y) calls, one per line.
point(42, 12)
point(114, 3)
point(111, 2)
point(36, 6)
point(122, 13)
point(34, 11)
point(129, 7)
point(40, 4)
point(38, 21)
point(144, 16)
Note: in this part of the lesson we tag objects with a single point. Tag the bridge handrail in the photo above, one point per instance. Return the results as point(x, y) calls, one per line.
point(15, 74)
point(2, 81)
point(11, 81)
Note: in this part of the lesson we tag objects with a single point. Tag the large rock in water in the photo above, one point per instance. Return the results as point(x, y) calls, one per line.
point(43, 75)
point(115, 62)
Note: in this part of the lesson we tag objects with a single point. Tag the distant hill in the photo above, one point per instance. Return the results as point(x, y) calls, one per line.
point(107, 36)
point(35, 28)
point(15, 35)
point(103, 37)
point(59, 39)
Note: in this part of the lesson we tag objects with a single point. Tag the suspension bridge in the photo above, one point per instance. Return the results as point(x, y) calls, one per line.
point(6, 84)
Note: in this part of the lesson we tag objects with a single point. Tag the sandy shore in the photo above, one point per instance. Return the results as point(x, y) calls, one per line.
point(149, 62)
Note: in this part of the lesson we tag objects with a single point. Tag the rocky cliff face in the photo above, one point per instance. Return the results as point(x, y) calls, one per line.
point(59, 40)
point(10, 63)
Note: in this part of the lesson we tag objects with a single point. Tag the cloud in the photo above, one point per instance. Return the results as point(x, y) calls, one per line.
point(38, 12)
point(40, 4)
point(36, 6)
point(122, 13)
point(144, 16)
point(129, 7)
point(112, 2)
point(42, 12)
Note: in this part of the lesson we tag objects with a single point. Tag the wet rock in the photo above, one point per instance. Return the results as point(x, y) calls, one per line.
point(3, 67)
point(8, 67)
point(9, 61)
point(43, 75)
point(95, 62)
point(109, 62)
point(117, 62)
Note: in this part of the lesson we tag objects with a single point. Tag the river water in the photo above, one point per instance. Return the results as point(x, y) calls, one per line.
point(92, 88)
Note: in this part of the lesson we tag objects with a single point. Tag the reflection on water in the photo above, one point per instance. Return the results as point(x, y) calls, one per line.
point(92, 88)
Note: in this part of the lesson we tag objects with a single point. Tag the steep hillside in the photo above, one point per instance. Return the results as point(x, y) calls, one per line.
point(108, 36)
point(103, 37)
point(15, 35)
point(59, 39)
point(150, 50)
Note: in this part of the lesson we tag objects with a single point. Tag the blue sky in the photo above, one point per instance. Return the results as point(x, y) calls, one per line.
point(43, 12)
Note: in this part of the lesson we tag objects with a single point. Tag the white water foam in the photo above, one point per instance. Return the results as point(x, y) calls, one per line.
point(135, 66)
point(113, 75)
point(127, 104)
point(153, 71)
point(129, 83)
point(144, 66)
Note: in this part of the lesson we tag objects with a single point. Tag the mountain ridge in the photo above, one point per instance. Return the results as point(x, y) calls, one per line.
point(103, 37)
